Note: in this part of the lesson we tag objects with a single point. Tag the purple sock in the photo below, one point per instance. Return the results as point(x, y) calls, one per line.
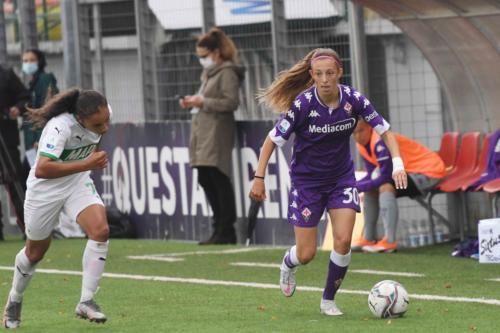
point(288, 262)
point(337, 269)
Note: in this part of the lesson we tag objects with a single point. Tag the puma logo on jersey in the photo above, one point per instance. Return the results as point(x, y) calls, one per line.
point(78, 137)
point(58, 130)
point(313, 114)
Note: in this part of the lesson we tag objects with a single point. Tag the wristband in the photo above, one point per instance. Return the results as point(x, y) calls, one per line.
point(397, 165)
point(259, 177)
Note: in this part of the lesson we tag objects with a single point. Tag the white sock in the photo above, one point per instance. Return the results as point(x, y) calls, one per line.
point(94, 259)
point(293, 256)
point(23, 271)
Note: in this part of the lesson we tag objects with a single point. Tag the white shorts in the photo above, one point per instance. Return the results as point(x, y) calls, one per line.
point(41, 211)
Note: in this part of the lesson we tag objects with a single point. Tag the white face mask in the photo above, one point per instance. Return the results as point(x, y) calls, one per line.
point(206, 62)
point(30, 68)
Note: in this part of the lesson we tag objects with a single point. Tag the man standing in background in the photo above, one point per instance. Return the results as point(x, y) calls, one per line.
point(13, 98)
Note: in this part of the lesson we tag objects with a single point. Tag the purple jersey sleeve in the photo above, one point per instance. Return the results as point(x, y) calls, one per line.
point(384, 160)
point(496, 153)
point(286, 124)
point(366, 110)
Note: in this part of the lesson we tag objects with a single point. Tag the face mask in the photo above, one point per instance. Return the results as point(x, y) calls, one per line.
point(30, 68)
point(206, 62)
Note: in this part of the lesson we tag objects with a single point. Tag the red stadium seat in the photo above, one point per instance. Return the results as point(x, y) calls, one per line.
point(493, 186)
point(466, 163)
point(480, 167)
point(448, 149)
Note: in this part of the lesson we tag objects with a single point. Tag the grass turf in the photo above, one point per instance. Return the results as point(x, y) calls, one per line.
point(153, 306)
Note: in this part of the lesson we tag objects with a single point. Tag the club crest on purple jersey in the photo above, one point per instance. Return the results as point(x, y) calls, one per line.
point(348, 108)
point(306, 214)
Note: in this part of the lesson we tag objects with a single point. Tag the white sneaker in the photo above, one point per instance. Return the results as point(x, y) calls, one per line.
point(329, 308)
point(12, 314)
point(91, 311)
point(287, 279)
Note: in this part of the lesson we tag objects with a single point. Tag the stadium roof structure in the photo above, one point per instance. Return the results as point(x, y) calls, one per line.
point(461, 40)
point(187, 13)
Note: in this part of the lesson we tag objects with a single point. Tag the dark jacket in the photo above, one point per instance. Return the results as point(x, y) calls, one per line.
point(213, 127)
point(40, 86)
point(12, 93)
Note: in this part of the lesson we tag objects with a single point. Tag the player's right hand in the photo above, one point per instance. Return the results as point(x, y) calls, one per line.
point(97, 160)
point(258, 190)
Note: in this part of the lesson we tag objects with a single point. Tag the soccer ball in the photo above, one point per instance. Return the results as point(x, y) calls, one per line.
point(388, 299)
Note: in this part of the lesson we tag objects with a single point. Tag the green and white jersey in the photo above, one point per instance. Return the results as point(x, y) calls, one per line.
point(64, 140)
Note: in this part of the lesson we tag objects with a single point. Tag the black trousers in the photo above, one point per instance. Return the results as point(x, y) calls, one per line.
point(10, 175)
point(220, 195)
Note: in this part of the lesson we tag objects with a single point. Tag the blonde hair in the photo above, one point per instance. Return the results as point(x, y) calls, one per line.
point(217, 39)
point(281, 93)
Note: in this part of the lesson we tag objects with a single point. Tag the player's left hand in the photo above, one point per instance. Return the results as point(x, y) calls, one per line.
point(400, 179)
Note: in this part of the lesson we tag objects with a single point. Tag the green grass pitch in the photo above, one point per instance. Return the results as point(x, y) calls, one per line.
point(183, 306)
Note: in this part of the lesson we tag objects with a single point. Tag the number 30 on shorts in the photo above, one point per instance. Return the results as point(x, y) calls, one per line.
point(352, 195)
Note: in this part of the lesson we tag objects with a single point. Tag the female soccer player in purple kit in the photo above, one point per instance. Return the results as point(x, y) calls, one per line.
point(322, 113)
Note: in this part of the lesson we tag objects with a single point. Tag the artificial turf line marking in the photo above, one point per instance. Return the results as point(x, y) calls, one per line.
point(195, 253)
point(156, 258)
point(360, 271)
point(257, 285)
point(494, 280)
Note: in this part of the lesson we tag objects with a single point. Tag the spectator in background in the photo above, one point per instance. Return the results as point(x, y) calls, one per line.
point(213, 129)
point(425, 169)
point(42, 87)
point(13, 99)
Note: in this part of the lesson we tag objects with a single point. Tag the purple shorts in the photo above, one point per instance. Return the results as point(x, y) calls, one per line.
point(307, 205)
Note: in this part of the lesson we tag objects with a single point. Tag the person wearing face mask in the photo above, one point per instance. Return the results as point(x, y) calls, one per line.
point(213, 127)
point(42, 86)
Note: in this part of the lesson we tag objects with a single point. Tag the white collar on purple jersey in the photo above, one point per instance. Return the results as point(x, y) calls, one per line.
point(319, 100)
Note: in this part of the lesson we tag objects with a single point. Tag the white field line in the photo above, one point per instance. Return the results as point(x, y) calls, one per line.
point(156, 258)
point(257, 285)
point(494, 280)
point(360, 271)
point(196, 253)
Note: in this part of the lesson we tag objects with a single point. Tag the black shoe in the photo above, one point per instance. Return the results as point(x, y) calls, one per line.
point(209, 241)
point(225, 239)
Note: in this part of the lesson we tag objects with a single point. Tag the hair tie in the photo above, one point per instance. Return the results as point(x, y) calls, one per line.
point(326, 56)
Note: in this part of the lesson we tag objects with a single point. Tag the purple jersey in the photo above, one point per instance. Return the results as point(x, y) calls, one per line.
point(321, 150)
